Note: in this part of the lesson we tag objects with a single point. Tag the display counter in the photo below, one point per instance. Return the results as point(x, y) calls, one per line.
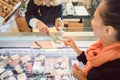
point(23, 57)
point(16, 47)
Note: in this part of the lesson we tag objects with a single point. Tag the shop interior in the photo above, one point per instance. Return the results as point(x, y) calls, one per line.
point(16, 40)
point(76, 21)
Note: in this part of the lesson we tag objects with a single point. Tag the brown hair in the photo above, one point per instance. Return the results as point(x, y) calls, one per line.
point(111, 15)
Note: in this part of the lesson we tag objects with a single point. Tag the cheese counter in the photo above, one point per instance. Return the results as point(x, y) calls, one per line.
point(20, 61)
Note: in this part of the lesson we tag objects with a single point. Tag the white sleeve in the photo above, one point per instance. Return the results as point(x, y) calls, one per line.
point(33, 22)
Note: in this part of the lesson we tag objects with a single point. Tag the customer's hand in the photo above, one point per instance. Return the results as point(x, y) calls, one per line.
point(69, 42)
point(43, 29)
point(78, 73)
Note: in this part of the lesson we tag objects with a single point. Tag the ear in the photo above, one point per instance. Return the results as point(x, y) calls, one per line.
point(109, 30)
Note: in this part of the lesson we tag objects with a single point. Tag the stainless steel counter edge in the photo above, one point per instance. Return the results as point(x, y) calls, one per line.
point(30, 36)
point(82, 39)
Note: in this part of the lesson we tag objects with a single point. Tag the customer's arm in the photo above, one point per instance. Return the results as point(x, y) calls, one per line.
point(81, 54)
point(70, 42)
point(82, 57)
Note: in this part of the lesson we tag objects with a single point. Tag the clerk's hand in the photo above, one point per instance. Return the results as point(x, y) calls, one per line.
point(43, 29)
point(59, 24)
point(57, 27)
point(78, 73)
point(69, 41)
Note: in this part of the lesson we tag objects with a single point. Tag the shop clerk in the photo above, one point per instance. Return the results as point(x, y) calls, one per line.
point(41, 14)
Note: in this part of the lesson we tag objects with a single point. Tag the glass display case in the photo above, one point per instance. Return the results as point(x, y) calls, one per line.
point(33, 56)
point(25, 62)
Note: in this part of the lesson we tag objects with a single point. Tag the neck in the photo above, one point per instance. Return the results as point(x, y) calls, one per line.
point(107, 42)
point(48, 5)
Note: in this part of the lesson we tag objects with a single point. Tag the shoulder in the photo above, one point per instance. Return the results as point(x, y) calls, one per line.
point(107, 71)
point(111, 64)
point(58, 6)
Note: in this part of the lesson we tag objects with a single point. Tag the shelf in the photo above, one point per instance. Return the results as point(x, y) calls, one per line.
point(11, 10)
